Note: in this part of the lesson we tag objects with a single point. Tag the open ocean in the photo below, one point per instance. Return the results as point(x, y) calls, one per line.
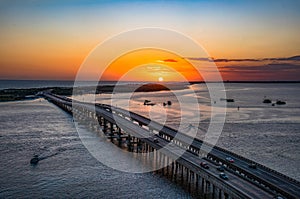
point(5, 84)
point(267, 134)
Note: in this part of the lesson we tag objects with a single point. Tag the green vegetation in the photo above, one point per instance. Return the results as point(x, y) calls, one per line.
point(30, 93)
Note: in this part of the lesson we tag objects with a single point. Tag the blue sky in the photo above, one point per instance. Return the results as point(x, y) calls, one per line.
point(36, 31)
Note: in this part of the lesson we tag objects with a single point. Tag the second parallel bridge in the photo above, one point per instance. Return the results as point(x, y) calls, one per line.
point(262, 182)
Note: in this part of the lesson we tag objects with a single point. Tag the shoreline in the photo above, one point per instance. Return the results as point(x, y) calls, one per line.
point(7, 95)
point(19, 94)
point(246, 82)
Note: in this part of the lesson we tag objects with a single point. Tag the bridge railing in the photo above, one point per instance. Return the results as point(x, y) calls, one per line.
point(262, 182)
point(169, 132)
point(216, 147)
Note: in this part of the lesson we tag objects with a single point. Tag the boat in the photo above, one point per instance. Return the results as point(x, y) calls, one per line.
point(148, 103)
point(278, 102)
point(169, 103)
point(34, 160)
point(227, 99)
point(267, 101)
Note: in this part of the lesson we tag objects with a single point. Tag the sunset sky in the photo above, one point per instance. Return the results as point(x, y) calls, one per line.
point(247, 40)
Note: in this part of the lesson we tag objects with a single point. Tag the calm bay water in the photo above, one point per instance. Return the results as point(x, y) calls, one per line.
point(269, 135)
point(264, 133)
point(68, 170)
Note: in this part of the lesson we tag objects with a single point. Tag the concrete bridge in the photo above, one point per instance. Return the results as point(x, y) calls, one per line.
point(132, 131)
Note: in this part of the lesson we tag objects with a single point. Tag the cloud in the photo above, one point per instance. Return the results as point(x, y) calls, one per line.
point(263, 69)
point(199, 59)
point(236, 60)
point(157, 68)
point(294, 58)
point(267, 72)
point(167, 60)
point(268, 68)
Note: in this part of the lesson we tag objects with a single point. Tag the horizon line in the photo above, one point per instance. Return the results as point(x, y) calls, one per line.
point(192, 82)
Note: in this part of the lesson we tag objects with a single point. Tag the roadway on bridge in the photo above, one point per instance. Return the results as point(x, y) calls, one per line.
point(273, 178)
point(234, 180)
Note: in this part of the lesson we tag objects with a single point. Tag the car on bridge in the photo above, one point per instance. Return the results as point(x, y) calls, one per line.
point(253, 166)
point(155, 140)
point(223, 176)
point(279, 197)
point(221, 168)
point(204, 165)
point(230, 159)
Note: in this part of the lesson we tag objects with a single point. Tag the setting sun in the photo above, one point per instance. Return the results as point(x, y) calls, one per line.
point(138, 99)
point(151, 65)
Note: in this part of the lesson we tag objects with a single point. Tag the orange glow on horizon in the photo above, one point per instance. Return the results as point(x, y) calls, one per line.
point(151, 65)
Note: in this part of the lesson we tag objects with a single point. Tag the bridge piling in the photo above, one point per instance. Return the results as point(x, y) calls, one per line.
point(208, 184)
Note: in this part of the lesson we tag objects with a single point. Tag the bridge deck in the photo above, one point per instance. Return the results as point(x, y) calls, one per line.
point(263, 173)
point(245, 186)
